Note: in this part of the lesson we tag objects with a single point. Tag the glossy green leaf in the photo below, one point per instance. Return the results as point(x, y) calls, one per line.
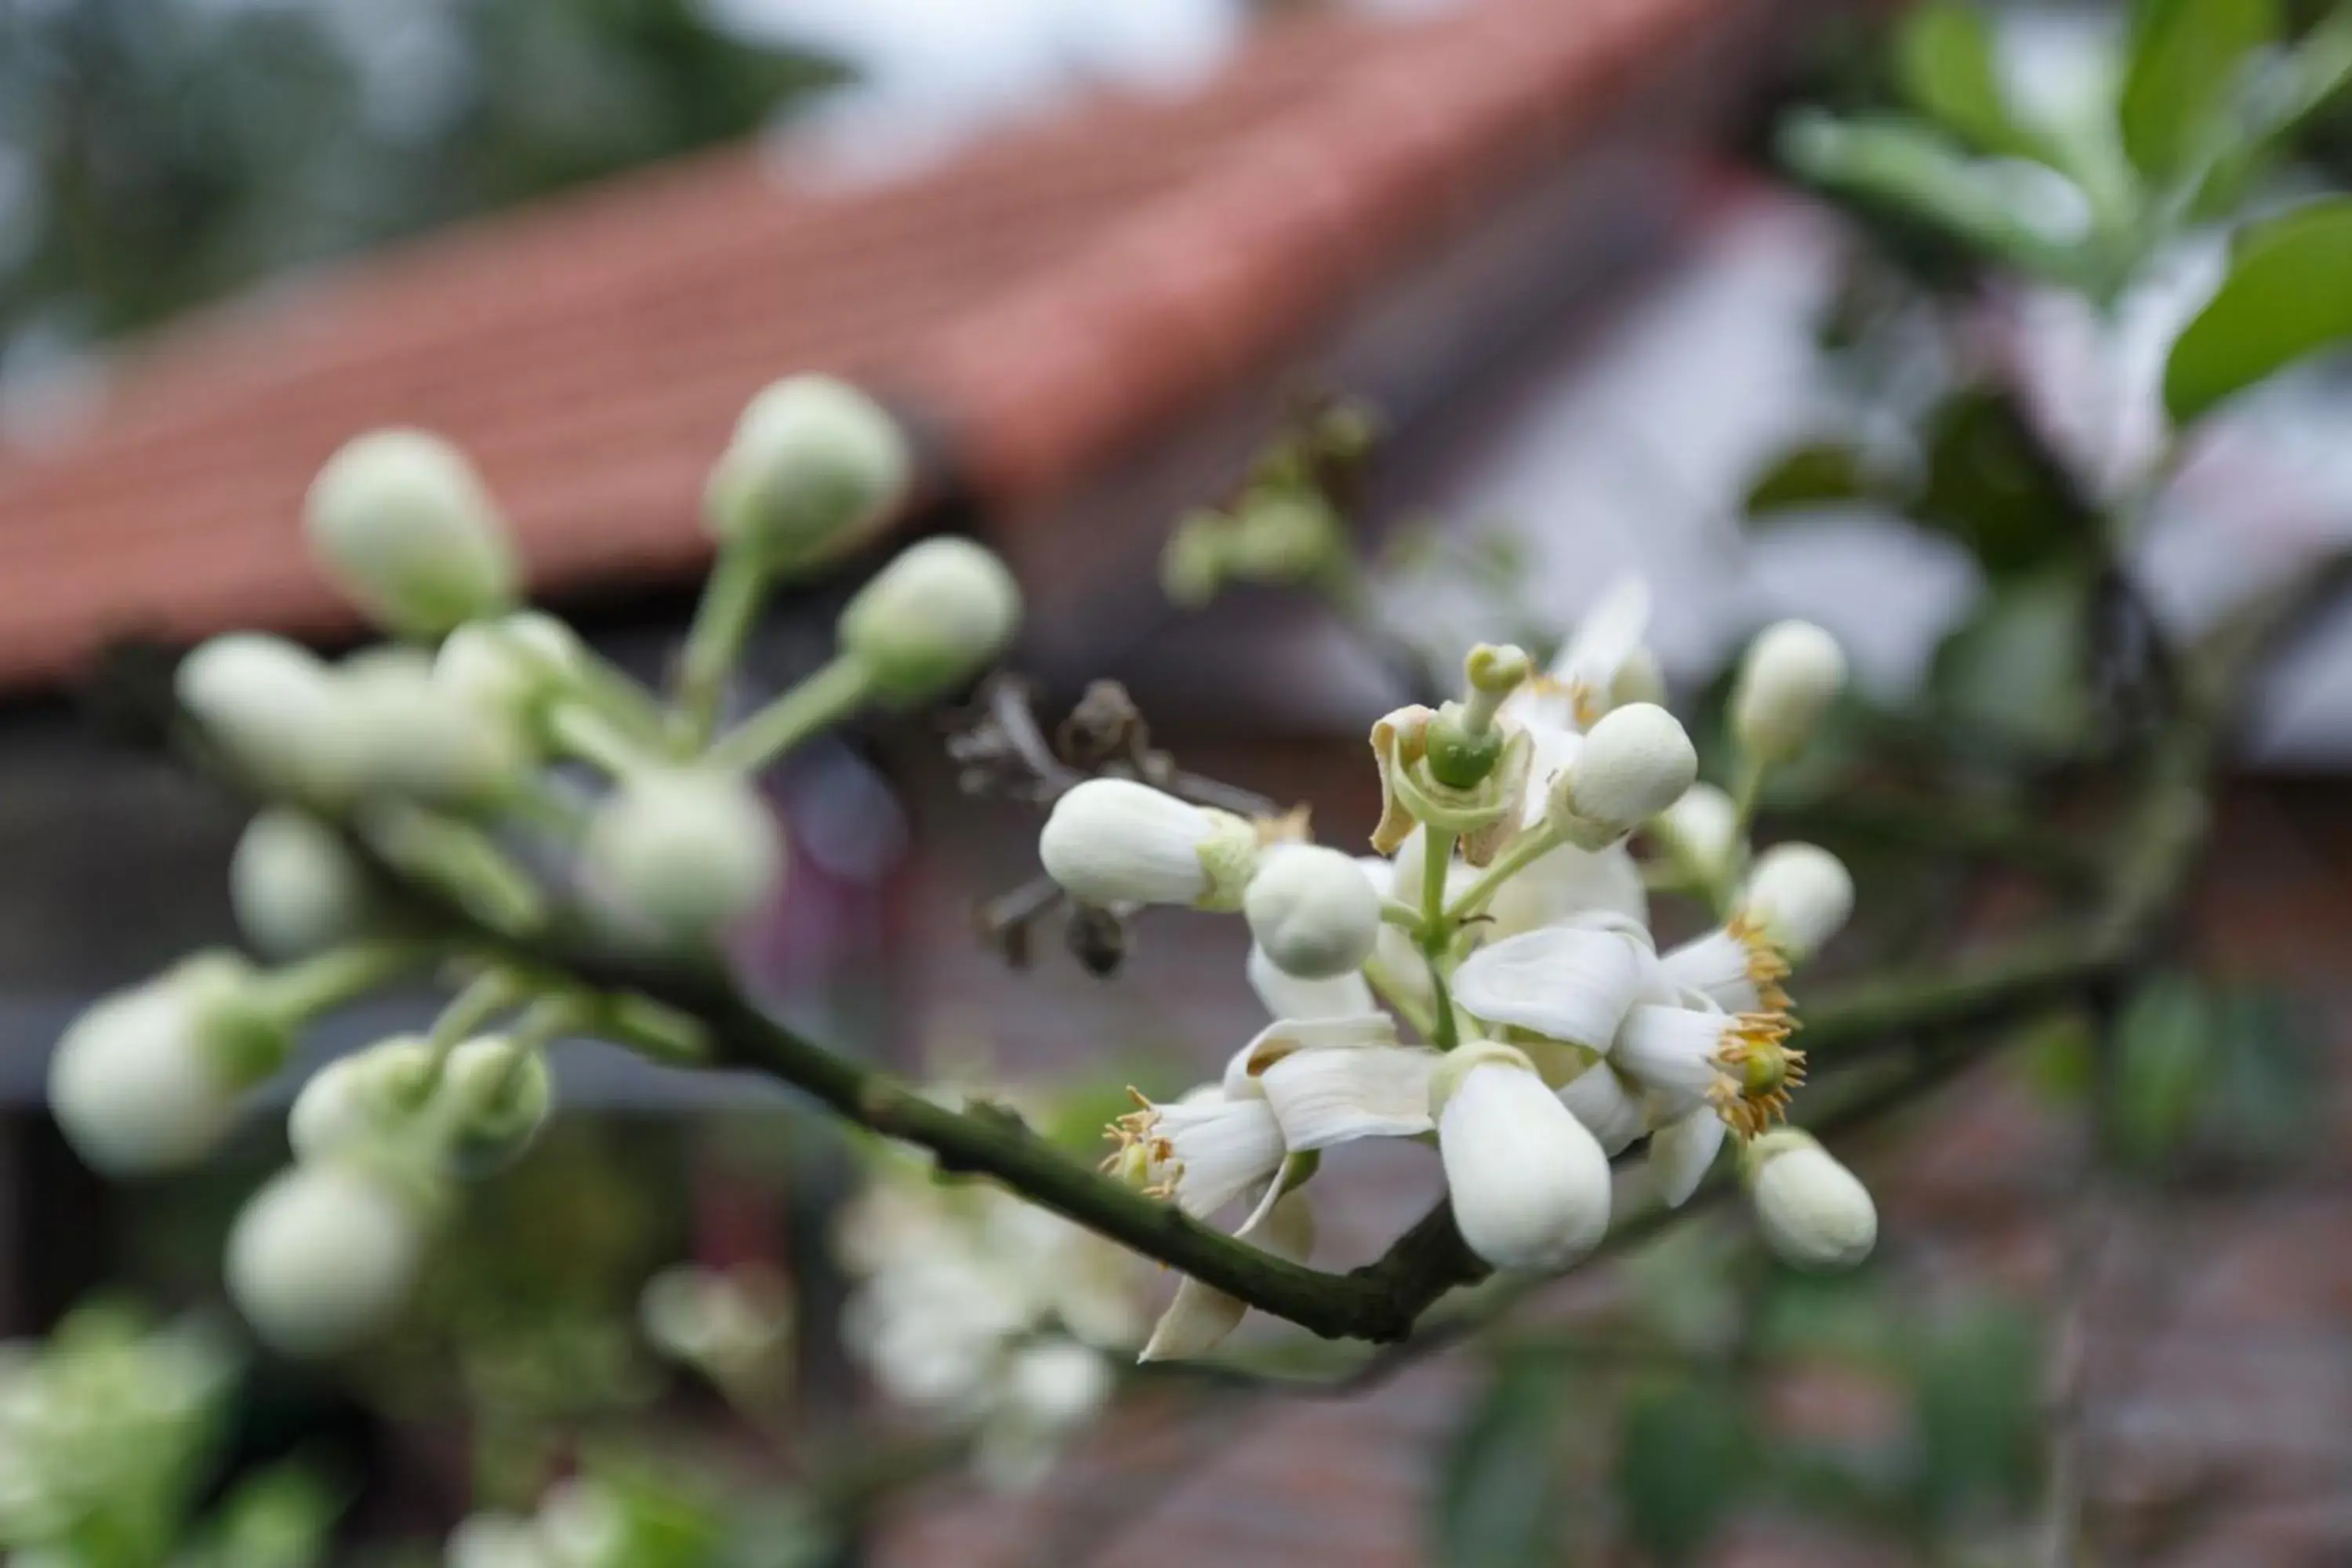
point(1945, 57)
point(2186, 59)
point(2165, 1054)
point(1813, 473)
point(1500, 1500)
point(1681, 1454)
point(1993, 484)
point(2288, 295)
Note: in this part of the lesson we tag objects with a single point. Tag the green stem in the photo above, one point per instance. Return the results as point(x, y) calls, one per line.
point(731, 597)
point(1524, 852)
point(460, 861)
point(1437, 933)
point(577, 729)
point(824, 699)
point(301, 992)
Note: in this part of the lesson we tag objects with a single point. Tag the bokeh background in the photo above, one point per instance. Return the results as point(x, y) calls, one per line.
point(1093, 254)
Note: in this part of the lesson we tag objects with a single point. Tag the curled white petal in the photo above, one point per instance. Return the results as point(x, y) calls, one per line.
point(1608, 1108)
point(1216, 1150)
point(1672, 1051)
point(1287, 996)
point(1278, 1039)
point(1683, 1151)
point(1199, 1317)
point(1529, 1186)
point(1736, 966)
point(1563, 983)
point(1339, 1094)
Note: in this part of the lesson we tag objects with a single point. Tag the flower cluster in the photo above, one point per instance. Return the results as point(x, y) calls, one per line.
point(1506, 920)
point(985, 1312)
point(488, 758)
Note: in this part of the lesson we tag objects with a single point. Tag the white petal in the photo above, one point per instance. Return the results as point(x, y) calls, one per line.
point(1719, 966)
point(1285, 1035)
point(1683, 1151)
point(1529, 1184)
point(1560, 982)
point(1609, 1110)
point(1606, 636)
point(1287, 996)
point(1201, 1316)
point(1335, 1095)
point(1670, 1050)
point(1221, 1150)
point(1571, 881)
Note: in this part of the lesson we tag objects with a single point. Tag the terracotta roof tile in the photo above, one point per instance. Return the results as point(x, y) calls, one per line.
point(1046, 298)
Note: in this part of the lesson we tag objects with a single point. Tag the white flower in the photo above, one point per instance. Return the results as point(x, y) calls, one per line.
point(1285, 996)
point(1690, 1058)
point(1112, 842)
point(1582, 683)
point(1705, 826)
point(295, 888)
point(147, 1079)
point(1737, 967)
point(402, 522)
point(1610, 1108)
point(1529, 1184)
point(1792, 672)
point(1636, 763)
point(1800, 895)
point(277, 711)
point(1312, 910)
point(930, 620)
point(815, 468)
point(1569, 983)
point(1814, 1211)
point(323, 1256)
point(412, 740)
point(679, 854)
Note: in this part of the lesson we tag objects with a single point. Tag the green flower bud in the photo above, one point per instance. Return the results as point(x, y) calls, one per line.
point(496, 1093)
point(296, 887)
point(930, 620)
point(403, 525)
point(679, 854)
point(815, 467)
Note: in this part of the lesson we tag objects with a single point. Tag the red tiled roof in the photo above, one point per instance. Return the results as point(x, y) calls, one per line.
point(1040, 300)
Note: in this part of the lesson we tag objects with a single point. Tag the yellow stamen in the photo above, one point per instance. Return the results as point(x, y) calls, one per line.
point(1758, 1069)
point(1767, 964)
point(1143, 1158)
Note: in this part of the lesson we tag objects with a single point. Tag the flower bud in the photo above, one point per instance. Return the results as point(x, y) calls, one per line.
point(507, 669)
point(361, 1099)
point(1792, 671)
point(930, 620)
point(295, 888)
point(276, 710)
point(1110, 842)
point(1705, 823)
point(402, 524)
point(1312, 912)
point(496, 1093)
point(815, 468)
point(679, 854)
point(1528, 1183)
point(1800, 895)
point(1814, 1213)
point(1285, 996)
point(147, 1079)
point(1636, 763)
point(416, 740)
point(324, 1256)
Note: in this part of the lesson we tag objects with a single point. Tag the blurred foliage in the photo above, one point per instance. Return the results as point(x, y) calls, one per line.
point(154, 155)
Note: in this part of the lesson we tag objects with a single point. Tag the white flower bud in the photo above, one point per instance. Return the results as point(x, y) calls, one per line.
point(930, 620)
point(497, 1094)
point(1312, 910)
point(1814, 1213)
point(147, 1081)
point(1705, 823)
point(1792, 672)
point(277, 711)
point(1528, 1183)
point(1801, 895)
point(1635, 764)
point(815, 468)
point(1113, 841)
point(361, 1099)
point(1285, 995)
point(323, 1256)
point(402, 522)
point(295, 888)
point(415, 739)
point(679, 854)
point(507, 668)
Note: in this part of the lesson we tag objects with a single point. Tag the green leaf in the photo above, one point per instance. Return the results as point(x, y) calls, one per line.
point(1976, 1402)
point(2186, 58)
point(1500, 1503)
point(1682, 1449)
point(279, 1519)
point(1945, 58)
point(1993, 484)
point(1811, 474)
point(2288, 294)
point(2013, 671)
point(2165, 1044)
point(2264, 1101)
